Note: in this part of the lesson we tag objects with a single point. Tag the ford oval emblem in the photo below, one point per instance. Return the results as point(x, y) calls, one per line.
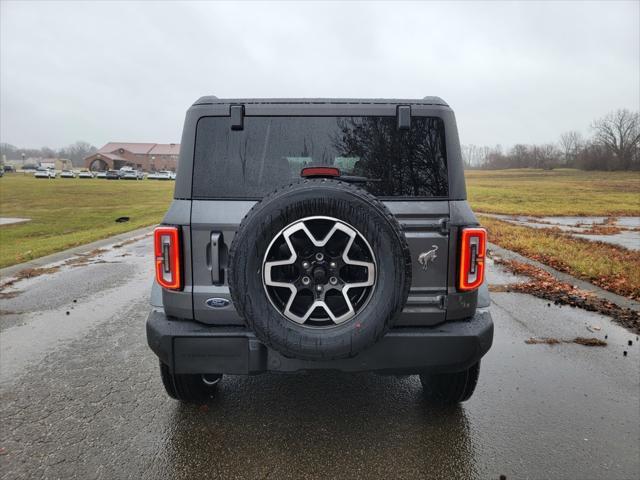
point(217, 302)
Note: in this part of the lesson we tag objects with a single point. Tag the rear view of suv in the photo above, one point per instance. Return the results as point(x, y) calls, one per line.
point(320, 234)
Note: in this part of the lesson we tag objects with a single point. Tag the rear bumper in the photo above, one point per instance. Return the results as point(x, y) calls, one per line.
point(191, 347)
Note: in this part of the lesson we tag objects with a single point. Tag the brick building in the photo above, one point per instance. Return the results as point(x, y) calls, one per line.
point(142, 156)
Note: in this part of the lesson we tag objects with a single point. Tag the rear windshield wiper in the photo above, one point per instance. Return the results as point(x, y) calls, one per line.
point(356, 179)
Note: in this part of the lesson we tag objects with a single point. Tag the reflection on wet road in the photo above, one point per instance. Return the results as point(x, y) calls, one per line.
point(87, 402)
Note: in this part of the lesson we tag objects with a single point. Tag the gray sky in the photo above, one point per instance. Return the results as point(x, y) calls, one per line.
point(126, 71)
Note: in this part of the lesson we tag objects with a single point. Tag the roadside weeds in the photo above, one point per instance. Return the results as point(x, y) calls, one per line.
point(607, 266)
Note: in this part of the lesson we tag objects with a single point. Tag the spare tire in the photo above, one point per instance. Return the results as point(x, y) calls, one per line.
point(319, 270)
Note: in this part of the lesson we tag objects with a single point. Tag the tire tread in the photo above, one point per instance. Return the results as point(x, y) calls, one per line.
point(451, 388)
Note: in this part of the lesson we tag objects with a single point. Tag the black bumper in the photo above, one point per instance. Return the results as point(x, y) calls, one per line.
point(192, 347)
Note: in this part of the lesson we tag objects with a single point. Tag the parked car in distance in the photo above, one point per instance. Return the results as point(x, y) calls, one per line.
point(113, 175)
point(67, 174)
point(85, 174)
point(102, 175)
point(131, 175)
point(42, 172)
point(1, 172)
point(156, 176)
point(163, 175)
point(9, 168)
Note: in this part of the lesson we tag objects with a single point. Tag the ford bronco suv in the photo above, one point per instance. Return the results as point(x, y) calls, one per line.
point(318, 234)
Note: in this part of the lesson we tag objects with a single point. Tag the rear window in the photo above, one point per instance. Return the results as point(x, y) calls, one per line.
point(271, 151)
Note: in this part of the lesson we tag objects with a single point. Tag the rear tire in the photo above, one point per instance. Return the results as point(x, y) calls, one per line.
point(450, 388)
point(316, 331)
point(189, 388)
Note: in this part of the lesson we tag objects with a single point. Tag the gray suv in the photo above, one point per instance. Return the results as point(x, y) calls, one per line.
point(320, 234)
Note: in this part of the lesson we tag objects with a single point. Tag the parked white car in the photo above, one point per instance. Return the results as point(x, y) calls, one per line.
point(102, 175)
point(44, 173)
point(164, 175)
point(68, 174)
point(131, 175)
point(85, 174)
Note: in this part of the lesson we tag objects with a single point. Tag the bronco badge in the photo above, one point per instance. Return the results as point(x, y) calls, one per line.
point(425, 258)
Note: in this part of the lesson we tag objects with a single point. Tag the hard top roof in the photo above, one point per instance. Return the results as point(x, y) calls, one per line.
point(211, 100)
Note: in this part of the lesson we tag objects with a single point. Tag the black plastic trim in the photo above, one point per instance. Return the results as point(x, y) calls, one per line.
point(191, 347)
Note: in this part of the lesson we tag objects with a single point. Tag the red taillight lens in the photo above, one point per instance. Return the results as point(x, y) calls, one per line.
point(473, 247)
point(166, 242)
point(320, 172)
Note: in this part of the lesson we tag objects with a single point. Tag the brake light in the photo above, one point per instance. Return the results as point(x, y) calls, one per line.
point(320, 172)
point(166, 242)
point(473, 247)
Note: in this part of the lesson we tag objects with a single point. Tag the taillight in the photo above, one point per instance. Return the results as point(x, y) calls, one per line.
point(166, 242)
point(473, 247)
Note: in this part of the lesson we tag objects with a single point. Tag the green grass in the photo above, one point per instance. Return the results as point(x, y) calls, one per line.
point(554, 192)
point(69, 212)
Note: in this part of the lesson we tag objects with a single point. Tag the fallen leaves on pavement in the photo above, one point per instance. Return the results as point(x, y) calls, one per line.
point(544, 285)
point(28, 273)
point(587, 342)
point(84, 258)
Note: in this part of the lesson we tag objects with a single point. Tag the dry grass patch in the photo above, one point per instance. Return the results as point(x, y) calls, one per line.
point(610, 267)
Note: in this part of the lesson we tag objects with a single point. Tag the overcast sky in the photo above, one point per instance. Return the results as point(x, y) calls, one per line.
point(125, 71)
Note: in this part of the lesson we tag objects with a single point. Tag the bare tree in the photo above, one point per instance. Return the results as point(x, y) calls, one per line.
point(47, 152)
point(473, 155)
point(619, 132)
point(520, 156)
point(570, 144)
point(77, 152)
point(545, 156)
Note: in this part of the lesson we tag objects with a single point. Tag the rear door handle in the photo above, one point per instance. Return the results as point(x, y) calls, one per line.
point(216, 241)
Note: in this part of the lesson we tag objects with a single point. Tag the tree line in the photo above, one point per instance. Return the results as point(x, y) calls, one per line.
point(614, 144)
point(75, 152)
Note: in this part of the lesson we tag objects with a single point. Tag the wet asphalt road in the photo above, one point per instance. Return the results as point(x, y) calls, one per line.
point(81, 397)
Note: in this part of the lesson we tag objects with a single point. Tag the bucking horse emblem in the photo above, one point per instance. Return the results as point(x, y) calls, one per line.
point(425, 258)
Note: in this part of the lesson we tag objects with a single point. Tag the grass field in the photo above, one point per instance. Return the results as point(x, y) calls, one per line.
point(562, 192)
point(68, 212)
point(71, 212)
point(554, 192)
